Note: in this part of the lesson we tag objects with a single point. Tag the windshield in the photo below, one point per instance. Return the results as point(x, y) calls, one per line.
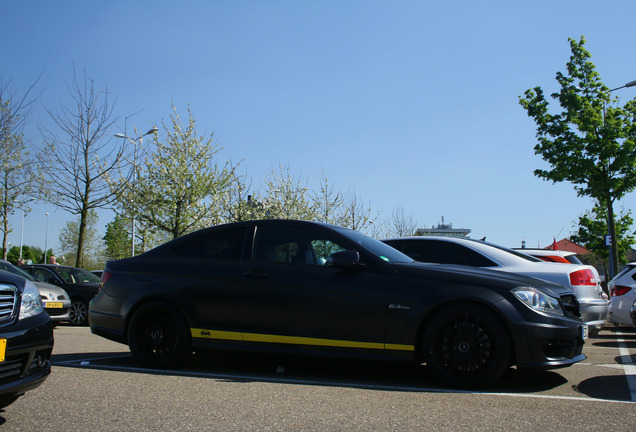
point(77, 275)
point(379, 249)
point(8, 267)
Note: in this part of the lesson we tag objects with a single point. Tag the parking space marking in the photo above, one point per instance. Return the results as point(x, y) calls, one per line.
point(88, 363)
point(628, 366)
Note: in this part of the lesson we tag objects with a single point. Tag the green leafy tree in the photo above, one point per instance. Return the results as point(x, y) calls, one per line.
point(593, 227)
point(93, 249)
point(117, 238)
point(29, 253)
point(591, 142)
point(180, 183)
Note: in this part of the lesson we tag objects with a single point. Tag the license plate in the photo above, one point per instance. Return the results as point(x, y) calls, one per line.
point(54, 305)
point(584, 332)
point(3, 348)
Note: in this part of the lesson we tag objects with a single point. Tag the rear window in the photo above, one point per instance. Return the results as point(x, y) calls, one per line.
point(442, 252)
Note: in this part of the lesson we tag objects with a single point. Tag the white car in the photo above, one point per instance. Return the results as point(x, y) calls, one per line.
point(582, 279)
point(622, 290)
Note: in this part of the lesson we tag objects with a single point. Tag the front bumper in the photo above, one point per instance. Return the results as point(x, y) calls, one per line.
point(27, 360)
point(549, 345)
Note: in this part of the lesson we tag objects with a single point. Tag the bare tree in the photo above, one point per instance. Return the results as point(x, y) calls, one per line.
point(356, 215)
point(77, 156)
point(401, 225)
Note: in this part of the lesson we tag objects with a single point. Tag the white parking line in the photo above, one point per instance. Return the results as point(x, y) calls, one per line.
point(628, 366)
point(281, 379)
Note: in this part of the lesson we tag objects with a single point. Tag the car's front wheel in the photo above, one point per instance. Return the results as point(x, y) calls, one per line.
point(158, 335)
point(466, 345)
point(78, 313)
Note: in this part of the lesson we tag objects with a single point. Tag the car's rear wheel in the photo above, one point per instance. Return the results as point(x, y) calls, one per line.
point(78, 313)
point(158, 335)
point(466, 346)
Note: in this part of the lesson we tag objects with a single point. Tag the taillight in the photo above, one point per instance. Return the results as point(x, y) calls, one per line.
point(619, 290)
point(582, 277)
point(105, 276)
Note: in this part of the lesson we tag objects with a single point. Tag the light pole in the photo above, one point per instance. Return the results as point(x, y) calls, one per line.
point(611, 225)
point(134, 183)
point(22, 225)
point(46, 238)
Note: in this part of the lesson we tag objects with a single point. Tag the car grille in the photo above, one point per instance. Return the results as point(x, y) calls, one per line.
point(571, 306)
point(8, 302)
point(11, 369)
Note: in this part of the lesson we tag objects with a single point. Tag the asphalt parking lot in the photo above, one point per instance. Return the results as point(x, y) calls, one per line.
point(95, 385)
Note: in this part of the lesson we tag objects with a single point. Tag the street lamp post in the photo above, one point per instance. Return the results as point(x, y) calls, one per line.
point(134, 141)
point(46, 238)
point(611, 225)
point(22, 225)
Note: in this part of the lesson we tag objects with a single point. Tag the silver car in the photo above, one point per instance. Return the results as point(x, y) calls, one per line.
point(582, 279)
point(56, 301)
point(622, 290)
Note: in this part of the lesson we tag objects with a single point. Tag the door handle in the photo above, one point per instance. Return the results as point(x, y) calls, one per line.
point(256, 274)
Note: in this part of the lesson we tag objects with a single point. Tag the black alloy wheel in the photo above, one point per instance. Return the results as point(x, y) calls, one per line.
point(158, 336)
point(78, 314)
point(466, 346)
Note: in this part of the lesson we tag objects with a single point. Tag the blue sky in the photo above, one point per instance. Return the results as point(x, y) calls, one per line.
point(410, 104)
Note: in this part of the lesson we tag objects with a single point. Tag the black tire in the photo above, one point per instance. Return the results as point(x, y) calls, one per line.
point(466, 346)
point(78, 313)
point(158, 336)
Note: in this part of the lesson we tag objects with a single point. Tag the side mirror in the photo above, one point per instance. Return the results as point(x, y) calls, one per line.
point(344, 259)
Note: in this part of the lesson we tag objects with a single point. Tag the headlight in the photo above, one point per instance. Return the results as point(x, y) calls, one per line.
point(538, 300)
point(31, 302)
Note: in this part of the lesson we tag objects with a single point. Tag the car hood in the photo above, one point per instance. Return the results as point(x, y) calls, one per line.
point(477, 275)
point(46, 288)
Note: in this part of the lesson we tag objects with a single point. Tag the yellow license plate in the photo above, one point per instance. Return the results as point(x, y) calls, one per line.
point(54, 305)
point(3, 348)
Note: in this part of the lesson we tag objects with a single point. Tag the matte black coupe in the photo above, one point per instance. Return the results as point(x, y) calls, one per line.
point(318, 289)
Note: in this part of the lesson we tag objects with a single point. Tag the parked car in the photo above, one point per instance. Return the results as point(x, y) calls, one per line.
point(81, 285)
point(317, 289)
point(622, 290)
point(97, 273)
point(56, 301)
point(550, 255)
point(26, 338)
point(582, 279)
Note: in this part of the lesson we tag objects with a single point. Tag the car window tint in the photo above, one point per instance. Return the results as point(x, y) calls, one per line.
point(433, 251)
point(475, 259)
point(41, 275)
point(443, 252)
point(219, 245)
point(293, 245)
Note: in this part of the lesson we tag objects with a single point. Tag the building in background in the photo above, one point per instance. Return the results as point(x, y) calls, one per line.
point(443, 229)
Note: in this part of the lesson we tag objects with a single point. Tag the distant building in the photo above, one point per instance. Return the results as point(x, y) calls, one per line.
point(443, 229)
point(567, 245)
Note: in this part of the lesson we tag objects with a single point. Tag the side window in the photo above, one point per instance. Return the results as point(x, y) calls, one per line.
point(292, 245)
point(223, 245)
point(323, 249)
